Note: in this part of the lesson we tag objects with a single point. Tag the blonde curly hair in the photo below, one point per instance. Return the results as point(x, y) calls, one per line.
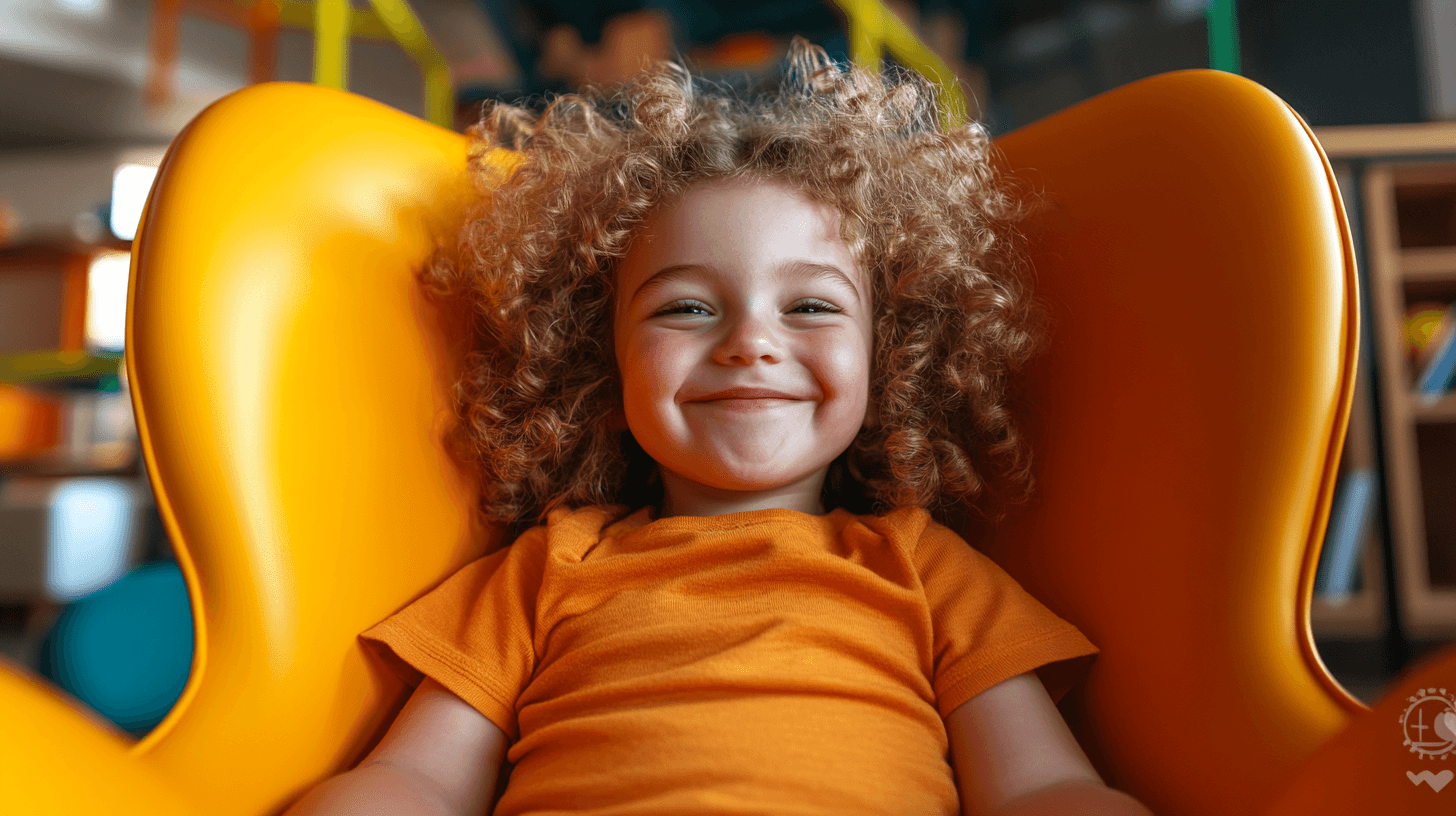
point(925, 212)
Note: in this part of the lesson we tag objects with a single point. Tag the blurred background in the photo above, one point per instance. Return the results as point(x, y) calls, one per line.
point(92, 91)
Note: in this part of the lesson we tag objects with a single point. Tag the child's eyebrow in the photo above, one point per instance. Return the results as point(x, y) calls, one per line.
point(810, 270)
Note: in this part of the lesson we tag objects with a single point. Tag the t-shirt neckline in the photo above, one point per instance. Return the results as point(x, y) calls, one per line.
point(725, 521)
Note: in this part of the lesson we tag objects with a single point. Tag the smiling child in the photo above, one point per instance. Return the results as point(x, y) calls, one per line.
point(733, 355)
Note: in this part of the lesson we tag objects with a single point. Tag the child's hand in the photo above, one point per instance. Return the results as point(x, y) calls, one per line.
point(1014, 756)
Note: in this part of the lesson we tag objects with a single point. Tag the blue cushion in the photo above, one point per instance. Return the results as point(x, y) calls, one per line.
point(125, 650)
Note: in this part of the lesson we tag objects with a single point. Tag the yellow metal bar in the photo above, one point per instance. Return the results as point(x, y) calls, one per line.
point(903, 43)
point(407, 31)
point(334, 22)
point(300, 14)
point(866, 40)
point(331, 43)
point(873, 28)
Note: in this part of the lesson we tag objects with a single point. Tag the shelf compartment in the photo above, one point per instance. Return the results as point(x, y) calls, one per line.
point(1425, 206)
point(1409, 230)
point(1426, 291)
point(1436, 446)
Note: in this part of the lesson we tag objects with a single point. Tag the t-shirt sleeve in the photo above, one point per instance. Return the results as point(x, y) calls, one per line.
point(474, 632)
point(988, 629)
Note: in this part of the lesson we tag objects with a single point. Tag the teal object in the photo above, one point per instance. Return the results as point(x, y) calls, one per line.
point(1223, 36)
point(125, 650)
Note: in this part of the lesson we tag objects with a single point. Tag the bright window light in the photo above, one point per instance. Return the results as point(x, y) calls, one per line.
point(129, 188)
point(90, 536)
point(85, 8)
point(106, 283)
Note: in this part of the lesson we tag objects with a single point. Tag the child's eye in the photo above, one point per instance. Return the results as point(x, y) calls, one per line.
point(683, 307)
point(817, 305)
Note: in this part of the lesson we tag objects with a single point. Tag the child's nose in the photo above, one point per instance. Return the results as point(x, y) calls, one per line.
point(748, 340)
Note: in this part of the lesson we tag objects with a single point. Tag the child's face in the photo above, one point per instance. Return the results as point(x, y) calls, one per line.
point(743, 285)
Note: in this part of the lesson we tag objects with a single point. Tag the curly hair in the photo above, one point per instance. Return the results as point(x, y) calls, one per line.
point(925, 212)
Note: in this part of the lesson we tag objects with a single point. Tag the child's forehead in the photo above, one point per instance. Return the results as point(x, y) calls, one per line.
point(736, 226)
point(704, 200)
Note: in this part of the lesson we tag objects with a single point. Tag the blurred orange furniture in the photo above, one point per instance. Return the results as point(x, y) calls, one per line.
point(292, 384)
point(30, 423)
point(30, 420)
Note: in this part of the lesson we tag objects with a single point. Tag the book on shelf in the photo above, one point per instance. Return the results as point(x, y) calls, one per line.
point(1436, 358)
point(1339, 564)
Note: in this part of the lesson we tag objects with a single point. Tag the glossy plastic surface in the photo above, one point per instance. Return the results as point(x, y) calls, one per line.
point(1368, 767)
point(58, 758)
point(291, 384)
point(1188, 421)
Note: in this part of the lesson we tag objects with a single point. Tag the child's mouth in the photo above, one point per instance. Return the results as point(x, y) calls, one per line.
point(743, 404)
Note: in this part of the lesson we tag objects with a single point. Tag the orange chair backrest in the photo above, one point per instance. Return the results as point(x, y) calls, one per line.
point(1189, 419)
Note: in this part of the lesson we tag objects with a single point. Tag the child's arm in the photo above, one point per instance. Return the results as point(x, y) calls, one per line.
point(439, 758)
point(1014, 756)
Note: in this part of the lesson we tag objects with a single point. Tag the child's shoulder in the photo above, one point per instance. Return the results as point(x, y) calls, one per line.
point(914, 531)
point(584, 524)
point(909, 521)
point(591, 514)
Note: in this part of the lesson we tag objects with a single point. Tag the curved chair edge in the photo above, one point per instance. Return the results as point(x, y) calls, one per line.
point(164, 505)
point(1351, 354)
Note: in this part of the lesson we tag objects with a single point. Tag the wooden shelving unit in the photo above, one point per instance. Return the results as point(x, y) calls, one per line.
point(1406, 177)
point(1403, 203)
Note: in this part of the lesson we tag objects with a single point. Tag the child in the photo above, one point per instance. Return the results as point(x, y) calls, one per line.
point(730, 352)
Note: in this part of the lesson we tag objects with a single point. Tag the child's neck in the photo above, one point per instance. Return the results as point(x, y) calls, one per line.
point(683, 497)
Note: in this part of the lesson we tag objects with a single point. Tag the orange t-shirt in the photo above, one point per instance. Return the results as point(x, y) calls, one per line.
point(769, 661)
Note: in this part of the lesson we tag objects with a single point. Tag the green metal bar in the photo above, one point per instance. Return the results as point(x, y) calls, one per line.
point(331, 43)
point(1223, 36)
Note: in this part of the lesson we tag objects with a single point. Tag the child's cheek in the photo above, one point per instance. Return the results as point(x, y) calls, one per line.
point(657, 361)
point(844, 378)
point(651, 373)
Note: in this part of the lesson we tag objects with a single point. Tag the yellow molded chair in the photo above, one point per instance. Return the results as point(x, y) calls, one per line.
point(292, 383)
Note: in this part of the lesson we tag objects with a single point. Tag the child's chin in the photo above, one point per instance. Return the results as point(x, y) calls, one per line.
point(747, 480)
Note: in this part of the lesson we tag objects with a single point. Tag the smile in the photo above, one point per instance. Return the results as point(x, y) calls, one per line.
point(742, 404)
